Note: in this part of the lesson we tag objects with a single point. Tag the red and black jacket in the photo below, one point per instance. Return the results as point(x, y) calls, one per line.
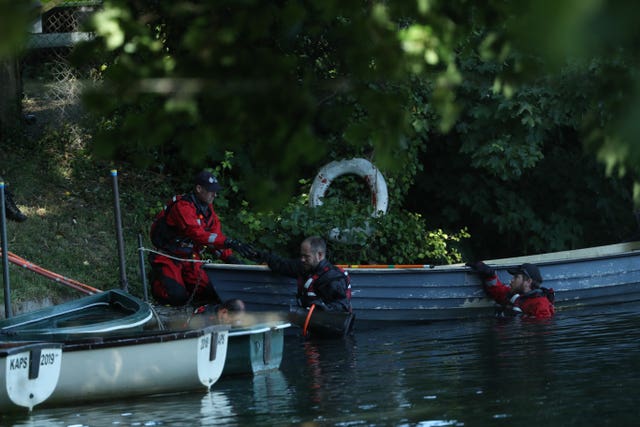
point(186, 226)
point(537, 303)
point(327, 286)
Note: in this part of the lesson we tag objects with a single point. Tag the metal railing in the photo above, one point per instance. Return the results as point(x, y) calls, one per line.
point(59, 27)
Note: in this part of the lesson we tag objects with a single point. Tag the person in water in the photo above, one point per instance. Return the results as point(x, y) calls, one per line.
point(320, 283)
point(229, 312)
point(524, 296)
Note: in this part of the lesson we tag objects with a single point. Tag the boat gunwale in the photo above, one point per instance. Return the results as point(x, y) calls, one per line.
point(109, 298)
point(619, 250)
point(140, 338)
point(13, 347)
point(54, 314)
point(250, 331)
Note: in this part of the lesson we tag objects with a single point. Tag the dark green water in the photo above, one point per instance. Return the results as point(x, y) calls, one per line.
point(580, 369)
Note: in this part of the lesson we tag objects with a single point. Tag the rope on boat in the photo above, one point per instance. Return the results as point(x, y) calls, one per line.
point(159, 321)
point(164, 254)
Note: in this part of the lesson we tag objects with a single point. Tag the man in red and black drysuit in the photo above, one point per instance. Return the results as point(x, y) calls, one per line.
point(183, 230)
point(524, 296)
point(319, 282)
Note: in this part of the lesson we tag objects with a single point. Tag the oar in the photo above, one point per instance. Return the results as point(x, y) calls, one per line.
point(15, 259)
point(385, 266)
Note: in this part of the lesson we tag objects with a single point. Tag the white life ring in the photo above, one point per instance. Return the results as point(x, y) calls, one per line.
point(361, 167)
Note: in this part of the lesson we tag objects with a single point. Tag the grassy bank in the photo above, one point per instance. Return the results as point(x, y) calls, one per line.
point(68, 198)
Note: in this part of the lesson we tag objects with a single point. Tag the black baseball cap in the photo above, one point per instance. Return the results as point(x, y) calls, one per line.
point(529, 270)
point(207, 180)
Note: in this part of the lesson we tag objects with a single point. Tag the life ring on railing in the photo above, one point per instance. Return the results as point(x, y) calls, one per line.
point(361, 167)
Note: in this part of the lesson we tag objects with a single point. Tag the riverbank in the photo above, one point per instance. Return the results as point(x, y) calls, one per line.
point(70, 227)
point(68, 198)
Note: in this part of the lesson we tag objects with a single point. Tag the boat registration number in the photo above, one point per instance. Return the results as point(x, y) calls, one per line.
point(22, 362)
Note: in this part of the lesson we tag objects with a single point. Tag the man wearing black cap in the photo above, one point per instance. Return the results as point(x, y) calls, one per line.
point(523, 296)
point(183, 230)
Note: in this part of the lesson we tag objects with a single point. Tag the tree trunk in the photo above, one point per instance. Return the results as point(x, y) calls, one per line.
point(10, 97)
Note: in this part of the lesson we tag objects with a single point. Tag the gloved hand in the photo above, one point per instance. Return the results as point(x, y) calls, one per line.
point(243, 249)
point(482, 269)
point(259, 256)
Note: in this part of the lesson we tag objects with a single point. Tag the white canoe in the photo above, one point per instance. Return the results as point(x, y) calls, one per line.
point(141, 364)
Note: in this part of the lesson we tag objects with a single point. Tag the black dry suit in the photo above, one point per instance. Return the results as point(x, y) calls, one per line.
point(327, 286)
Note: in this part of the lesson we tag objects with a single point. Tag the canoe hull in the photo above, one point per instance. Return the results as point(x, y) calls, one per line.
point(142, 364)
point(256, 341)
point(108, 354)
point(256, 349)
point(595, 276)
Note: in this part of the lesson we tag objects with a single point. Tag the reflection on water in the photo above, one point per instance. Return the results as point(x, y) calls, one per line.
point(175, 410)
point(580, 368)
point(271, 392)
point(214, 408)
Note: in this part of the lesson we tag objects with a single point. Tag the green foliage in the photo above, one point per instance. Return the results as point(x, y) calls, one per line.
point(477, 114)
point(68, 199)
point(345, 220)
point(186, 68)
point(15, 20)
point(520, 172)
point(353, 237)
point(447, 68)
point(261, 78)
point(284, 85)
point(598, 40)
